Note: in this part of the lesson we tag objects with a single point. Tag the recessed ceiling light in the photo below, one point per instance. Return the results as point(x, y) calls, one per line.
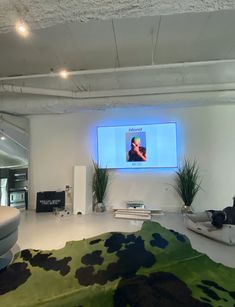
point(22, 29)
point(64, 74)
point(3, 138)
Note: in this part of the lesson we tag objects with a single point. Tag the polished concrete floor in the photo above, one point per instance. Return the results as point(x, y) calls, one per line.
point(47, 231)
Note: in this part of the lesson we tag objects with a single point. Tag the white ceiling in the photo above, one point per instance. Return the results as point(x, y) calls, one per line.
point(120, 62)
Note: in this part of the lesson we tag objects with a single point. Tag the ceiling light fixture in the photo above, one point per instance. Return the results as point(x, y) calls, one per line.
point(2, 135)
point(64, 74)
point(22, 29)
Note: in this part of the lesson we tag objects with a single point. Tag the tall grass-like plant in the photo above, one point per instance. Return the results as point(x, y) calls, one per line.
point(187, 182)
point(100, 182)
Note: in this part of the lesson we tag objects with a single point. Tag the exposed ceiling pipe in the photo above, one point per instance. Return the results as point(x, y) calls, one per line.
point(122, 69)
point(59, 105)
point(119, 93)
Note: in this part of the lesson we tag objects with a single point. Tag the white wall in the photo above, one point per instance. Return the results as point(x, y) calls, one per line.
point(58, 142)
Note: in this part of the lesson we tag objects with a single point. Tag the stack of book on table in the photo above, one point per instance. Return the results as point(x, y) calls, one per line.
point(136, 211)
point(135, 214)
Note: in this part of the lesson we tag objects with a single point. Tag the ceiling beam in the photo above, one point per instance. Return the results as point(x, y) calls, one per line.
point(123, 69)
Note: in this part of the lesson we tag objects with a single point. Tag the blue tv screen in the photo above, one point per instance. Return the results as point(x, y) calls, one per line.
point(138, 146)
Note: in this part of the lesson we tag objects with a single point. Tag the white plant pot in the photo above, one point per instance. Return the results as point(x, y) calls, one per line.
point(100, 207)
point(186, 209)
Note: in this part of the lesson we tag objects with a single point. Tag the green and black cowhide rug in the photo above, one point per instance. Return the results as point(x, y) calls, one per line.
point(152, 267)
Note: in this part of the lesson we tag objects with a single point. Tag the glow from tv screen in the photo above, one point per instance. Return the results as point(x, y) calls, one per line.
point(138, 146)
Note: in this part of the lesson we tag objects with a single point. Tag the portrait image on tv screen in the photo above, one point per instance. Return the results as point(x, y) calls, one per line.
point(138, 146)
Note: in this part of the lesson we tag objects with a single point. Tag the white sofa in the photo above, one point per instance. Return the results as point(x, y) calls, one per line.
point(199, 224)
point(9, 221)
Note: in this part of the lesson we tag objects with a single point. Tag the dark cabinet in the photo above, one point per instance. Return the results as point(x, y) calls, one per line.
point(18, 177)
point(16, 186)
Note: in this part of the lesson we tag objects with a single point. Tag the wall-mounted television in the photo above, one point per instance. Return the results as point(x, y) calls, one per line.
point(138, 146)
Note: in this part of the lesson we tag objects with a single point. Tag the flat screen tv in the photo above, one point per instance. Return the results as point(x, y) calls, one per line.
point(138, 146)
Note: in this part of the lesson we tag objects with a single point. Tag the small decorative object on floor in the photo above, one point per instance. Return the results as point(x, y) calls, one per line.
point(61, 212)
point(187, 184)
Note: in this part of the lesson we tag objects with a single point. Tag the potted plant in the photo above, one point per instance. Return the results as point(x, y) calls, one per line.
point(100, 181)
point(187, 184)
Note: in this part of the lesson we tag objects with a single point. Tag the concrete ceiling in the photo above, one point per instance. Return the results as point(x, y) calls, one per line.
point(145, 60)
point(40, 14)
